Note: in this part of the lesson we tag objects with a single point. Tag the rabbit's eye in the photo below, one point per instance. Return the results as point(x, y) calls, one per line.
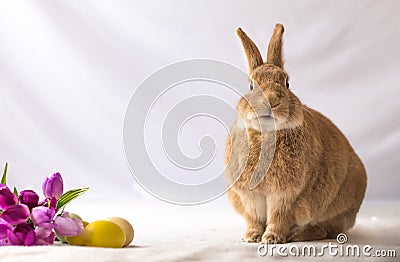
point(287, 84)
point(251, 85)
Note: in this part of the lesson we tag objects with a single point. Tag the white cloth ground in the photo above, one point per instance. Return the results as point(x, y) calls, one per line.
point(209, 232)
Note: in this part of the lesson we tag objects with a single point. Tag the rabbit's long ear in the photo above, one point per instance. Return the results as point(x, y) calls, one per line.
point(254, 58)
point(274, 55)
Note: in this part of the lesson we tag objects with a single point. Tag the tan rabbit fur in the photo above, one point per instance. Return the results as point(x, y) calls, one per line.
point(314, 184)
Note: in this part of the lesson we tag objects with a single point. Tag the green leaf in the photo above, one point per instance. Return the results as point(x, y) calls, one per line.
point(70, 195)
point(15, 192)
point(4, 177)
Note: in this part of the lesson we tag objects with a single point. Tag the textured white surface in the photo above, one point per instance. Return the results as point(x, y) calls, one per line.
point(210, 232)
point(68, 68)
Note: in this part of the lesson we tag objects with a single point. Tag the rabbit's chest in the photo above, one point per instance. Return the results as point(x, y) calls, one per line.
point(250, 158)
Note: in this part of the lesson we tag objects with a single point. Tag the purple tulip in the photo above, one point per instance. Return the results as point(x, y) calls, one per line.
point(49, 202)
point(7, 198)
point(22, 235)
point(29, 198)
point(4, 228)
point(53, 186)
point(44, 236)
point(43, 216)
point(66, 226)
point(53, 203)
point(16, 214)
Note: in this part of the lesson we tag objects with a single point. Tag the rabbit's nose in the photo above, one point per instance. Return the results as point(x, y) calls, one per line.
point(268, 107)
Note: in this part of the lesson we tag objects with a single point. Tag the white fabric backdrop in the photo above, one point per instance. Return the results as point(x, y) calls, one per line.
point(68, 68)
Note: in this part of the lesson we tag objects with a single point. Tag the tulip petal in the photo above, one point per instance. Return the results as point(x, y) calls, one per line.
point(3, 231)
point(7, 198)
point(30, 238)
point(44, 236)
point(53, 202)
point(16, 214)
point(68, 227)
point(43, 216)
point(44, 186)
point(29, 198)
point(4, 228)
point(14, 238)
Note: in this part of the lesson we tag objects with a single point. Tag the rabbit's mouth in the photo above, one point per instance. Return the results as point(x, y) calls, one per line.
point(266, 120)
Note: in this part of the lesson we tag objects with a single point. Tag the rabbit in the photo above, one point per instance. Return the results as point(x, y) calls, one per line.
point(310, 181)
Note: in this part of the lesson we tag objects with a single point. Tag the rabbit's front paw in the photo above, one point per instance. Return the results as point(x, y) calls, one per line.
point(252, 236)
point(270, 237)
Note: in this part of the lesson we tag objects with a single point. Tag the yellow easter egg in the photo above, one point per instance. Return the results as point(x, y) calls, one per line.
point(78, 240)
point(125, 226)
point(104, 233)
